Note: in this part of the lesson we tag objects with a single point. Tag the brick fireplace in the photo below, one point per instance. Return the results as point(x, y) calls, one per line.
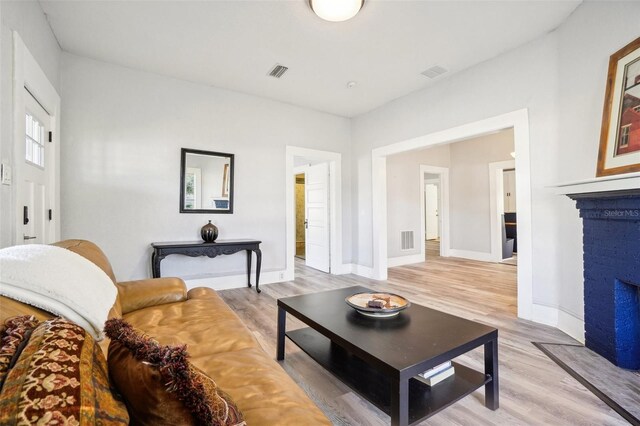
point(611, 244)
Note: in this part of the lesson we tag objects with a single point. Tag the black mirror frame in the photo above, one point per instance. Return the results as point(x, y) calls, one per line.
point(183, 162)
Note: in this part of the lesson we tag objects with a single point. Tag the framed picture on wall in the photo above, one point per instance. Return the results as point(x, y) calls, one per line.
point(620, 133)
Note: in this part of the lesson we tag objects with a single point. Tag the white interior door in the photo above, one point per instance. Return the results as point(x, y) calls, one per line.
point(317, 248)
point(509, 185)
point(431, 211)
point(34, 174)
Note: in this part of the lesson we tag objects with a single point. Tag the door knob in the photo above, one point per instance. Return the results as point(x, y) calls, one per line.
point(26, 237)
point(306, 224)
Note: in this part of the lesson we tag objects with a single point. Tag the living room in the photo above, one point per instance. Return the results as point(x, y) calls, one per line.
point(130, 84)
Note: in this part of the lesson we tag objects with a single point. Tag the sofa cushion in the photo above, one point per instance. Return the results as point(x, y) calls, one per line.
point(161, 386)
point(141, 294)
point(206, 325)
point(264, 392)
point(14, 335)
point(222, 346)
point(60, 378)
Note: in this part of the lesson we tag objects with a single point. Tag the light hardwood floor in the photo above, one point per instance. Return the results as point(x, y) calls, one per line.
point(533, 389)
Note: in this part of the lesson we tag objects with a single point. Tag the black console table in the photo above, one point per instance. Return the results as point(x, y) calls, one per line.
point(200, 248)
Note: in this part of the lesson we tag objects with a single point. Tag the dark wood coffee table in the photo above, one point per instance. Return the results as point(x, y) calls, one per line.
point(378, 358)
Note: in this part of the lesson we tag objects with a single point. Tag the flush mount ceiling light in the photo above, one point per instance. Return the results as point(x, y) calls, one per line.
point(336, 10)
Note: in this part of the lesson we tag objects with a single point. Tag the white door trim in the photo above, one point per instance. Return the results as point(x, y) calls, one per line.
point(335, 206)
point(300, 170)
point(496, 200)
point(519, 121)
point(443, 208)
point(28, 74)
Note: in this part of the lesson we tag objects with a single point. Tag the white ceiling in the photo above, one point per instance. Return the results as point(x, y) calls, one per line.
point(233, 44)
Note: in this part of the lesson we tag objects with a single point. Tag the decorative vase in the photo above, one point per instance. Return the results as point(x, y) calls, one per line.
point(209, 232)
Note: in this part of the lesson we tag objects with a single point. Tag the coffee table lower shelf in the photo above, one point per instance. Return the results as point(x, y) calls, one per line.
point(374, 386)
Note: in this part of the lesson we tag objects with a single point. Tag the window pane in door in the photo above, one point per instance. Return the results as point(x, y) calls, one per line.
point(34, 148)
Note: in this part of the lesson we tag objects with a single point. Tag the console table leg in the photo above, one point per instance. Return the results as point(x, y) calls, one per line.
point(249, 268)
point(258, 265)
point(399, 402)
point(491, 389)
point(282, 319)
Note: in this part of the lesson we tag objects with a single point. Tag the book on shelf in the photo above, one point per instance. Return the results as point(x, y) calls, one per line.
point(435, 370)
point(438, 377)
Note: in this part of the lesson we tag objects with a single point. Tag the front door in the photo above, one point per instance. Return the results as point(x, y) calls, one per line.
point(33, 175)
point(317, 246)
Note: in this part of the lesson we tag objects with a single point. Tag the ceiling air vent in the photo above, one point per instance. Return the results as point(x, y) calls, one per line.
point(278, 70)
point(434, 71)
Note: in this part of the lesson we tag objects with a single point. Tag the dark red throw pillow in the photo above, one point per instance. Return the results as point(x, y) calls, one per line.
point(60, 378)
point(14, 336)
point(160, 385)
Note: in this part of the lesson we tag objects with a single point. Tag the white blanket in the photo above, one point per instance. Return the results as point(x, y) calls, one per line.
point(59, 281)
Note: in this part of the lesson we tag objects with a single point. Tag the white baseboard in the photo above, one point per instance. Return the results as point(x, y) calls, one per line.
point(471, 255)
point(571, 325)
point(266, 277)
point(546, 315)
point(405, 260)
point(345, 268)
point(363, 271)
point(562, 320)
point(236, 281)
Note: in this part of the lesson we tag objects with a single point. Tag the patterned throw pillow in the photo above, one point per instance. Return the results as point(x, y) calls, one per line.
point(60, 378)
point(14, 335)
point(161, 386)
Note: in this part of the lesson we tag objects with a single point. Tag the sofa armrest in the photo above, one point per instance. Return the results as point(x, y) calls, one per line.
point(202, 293)
point(141, 294)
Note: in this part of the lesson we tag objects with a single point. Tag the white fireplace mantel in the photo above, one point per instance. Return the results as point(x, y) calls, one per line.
point(601, 184)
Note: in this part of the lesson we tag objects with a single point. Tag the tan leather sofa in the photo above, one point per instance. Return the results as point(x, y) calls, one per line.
point(218, 341)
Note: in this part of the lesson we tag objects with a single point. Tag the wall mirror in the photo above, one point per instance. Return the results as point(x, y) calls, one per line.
point(206, 182)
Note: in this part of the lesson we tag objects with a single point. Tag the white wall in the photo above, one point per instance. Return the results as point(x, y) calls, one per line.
point(469, 205)
point(586, 41)
point(122, 134)
point(560, 78)
point(403, 195)
point(27, 18)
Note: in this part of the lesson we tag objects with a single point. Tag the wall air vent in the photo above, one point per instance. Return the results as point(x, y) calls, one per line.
point(278, 70)
point(434, 71)
point(406, 240)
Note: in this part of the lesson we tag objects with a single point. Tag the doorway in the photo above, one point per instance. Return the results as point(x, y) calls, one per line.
point(300, 217)
point(431, 203)
point(519, 121)
point(36, 152)
point(504, 230)
point(510, 215)
point(431, 217)
point(323, 210)
point(434, 209)
point(34, 185)
point(313, 222)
